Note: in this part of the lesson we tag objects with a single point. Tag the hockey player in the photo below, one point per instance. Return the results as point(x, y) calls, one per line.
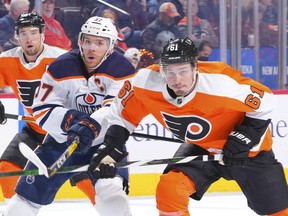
point(75, 85)
point(28, 63)
point(212, 108)
point(21, 68)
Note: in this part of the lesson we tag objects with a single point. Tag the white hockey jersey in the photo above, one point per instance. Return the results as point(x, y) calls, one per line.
point(67, 85)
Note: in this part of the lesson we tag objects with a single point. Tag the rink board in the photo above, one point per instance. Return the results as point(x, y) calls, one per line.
point(143, 180)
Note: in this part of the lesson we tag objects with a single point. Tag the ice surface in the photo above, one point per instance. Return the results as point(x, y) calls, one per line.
point(216, 204)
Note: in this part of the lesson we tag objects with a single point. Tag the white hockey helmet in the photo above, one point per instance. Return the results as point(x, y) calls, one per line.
point(102, 27)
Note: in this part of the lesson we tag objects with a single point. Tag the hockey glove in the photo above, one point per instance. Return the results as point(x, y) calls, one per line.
point(105, 170)
point(238, 145)
point(102, 162)
point(71, 117)
point(87, 129)
point(3, 119)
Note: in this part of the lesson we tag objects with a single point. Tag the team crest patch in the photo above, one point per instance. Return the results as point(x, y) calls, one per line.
point(88, 103)
point(30, 179)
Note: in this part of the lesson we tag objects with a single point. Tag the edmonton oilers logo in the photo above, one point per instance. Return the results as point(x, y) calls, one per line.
point(30, 179)
point(89, 102)
point(90, 98)
point(87, 99)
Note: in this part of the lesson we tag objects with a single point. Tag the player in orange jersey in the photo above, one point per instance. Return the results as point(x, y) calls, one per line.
point(212, 108)
point(21, 68)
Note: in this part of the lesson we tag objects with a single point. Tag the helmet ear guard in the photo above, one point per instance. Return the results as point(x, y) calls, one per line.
point(30, 19)
point(179, 51)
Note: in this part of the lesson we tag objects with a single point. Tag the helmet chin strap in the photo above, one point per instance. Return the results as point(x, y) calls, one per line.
point(42, 39)
point(193, 84)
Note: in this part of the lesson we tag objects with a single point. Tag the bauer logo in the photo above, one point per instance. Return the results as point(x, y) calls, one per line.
point(30, 179)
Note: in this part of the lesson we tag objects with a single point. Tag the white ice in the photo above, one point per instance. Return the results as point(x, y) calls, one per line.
point(216, 204)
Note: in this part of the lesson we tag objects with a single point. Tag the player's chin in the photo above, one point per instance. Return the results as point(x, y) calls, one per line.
point(92, 64)
point(180, 93)
point(30, 52)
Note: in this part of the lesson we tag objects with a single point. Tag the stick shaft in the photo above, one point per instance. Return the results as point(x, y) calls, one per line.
point(12, 116)
point(149, 136)
point(62, 159)
point(122, 164)
point(112, 6)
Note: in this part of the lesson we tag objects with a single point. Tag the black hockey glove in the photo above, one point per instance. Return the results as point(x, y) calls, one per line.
point(102, 162)
point(110, 152)
point(105, 170)
point(87, 129)
point(238, 145)
point(3, 119)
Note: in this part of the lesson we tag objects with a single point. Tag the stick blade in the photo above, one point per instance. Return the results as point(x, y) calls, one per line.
point(31, 156)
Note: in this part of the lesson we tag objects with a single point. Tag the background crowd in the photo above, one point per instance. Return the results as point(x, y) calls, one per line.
point(143, 25)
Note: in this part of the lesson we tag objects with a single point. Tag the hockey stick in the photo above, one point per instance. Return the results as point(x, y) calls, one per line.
point(161, 138)
point(123, 164)
point(48, 171)
point(113, 7)
point(17, 117)
point(134, 134)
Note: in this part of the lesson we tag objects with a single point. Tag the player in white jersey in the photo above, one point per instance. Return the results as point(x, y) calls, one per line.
point(75, 85)
point(212, 108)
point(21, 68)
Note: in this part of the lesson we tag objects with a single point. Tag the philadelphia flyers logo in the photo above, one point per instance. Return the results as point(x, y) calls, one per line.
point(187, 128)
point(27, 90)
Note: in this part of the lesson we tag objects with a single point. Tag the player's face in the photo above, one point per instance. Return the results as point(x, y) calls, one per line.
point(94, 49)
point(180, 78)
point(30, 40)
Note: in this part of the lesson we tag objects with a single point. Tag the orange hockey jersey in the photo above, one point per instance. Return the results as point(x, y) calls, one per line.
point(24, 78)
point(221, 100)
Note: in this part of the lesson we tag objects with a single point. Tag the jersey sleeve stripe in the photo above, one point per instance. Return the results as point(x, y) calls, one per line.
point(107, 102)
point(43, 112)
